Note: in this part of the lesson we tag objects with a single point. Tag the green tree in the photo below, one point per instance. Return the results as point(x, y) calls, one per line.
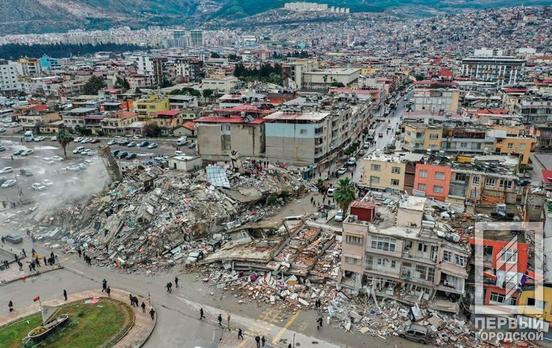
point(152, 130)
point(215, 55)
point(94, 84)
point(64, 138)
point(207, 93)
point(122, 83)
point(345, 193)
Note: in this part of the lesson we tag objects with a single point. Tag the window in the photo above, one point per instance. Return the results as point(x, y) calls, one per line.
point(422, 247)
point(460, 260)
point(510, 145)
point(508, 256)
point(460, 177)
point(374, 180)
point(490, 182)
point(438, 189)
point(440, 176)
point(423, 173)
point(536, 303)
point(447, 256)
point(393, 264)
point(425, 273)
point(383, 243)
point(395, 182)
point(302, 131)
point(475, 179)
point(497, 297)
point(375, 167)
point(421, 187)
point(396, 170)
point(352, 260)
point(354, 240)
point(434, 136)
point(505, 183)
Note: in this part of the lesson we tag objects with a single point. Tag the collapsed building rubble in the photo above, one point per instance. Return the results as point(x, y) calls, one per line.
point(154, 216)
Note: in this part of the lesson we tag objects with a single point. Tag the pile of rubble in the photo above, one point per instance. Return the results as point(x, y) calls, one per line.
point(390, 318)
point(152, 217)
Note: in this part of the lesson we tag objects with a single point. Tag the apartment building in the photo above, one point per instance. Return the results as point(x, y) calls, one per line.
point(10, 73)
point(400, 256)
point(422, 137)
point(220, 85)
point(383, 172)
point(467, 140)
point(218, 137)
point(116, 123)
point(432, 180)
point(292, 72)
point(147, 107)
point(504, 70)
point(535, 108)
point(521, 146)
point(322, 80)
point(435, 96)
point(299, 138)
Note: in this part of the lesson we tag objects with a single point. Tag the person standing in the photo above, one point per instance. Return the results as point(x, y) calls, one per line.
point(319, 321)
point(108, 290)
point(143, 307)
point(176, 282)
point(10, 306)
point(201, 314)
point(104, 285)
point(65, 294)
point(152, 313)
point(131, 298)
point(240, 334)
point(258, 341)
point(228, 321)
point(263, 341)
point(220, 320)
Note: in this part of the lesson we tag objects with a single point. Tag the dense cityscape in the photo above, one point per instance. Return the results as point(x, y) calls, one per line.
point(303, 176)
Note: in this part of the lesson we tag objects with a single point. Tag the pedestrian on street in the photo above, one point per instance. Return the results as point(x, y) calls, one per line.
point(319, 321)
point(289, 345)
point(201, 315)
point(258, 341)
point(104, 285)
point(65, 294)
point(176, 282)
point(240, 334)
point(143, 307)
point(10, 306)
point(37, 261)
point(152, 313)
point(79, 251)
point(228, 321)
point(263, 341)
point(108, 290)
point(131, 298)
point(169, 287)
point(24, 252)
point(220, 320)
point(45, 263)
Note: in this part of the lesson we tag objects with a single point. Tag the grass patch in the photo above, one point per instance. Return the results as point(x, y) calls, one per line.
point(89, 325)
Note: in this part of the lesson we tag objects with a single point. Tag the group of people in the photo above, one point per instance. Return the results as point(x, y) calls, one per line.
point(134, 302)
point(106, 288)
point(87, 259)
point(169, 285)
point(261, 341)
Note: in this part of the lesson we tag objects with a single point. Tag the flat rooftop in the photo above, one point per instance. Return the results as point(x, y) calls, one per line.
point(297, 116)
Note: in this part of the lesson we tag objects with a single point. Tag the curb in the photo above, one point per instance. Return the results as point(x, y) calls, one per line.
point(30, 276)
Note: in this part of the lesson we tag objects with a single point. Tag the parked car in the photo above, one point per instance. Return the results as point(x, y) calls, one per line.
point(143, 144)
point(112, 142)
point(38, 186)
point(54, 138)
point(115, 153)
point(131, 156)
point(78, 150)
point(416, 333)
point(341, 171)
point(27, 152)
point(351, 161)
point(13, 239)
point(95, 141)
point(330, 192)
point(57, 158)
point(2, 148)
point(18, 152)
point(6, 170)
point(9, 183)
point(25, 172)
point(339, 216)
point(122, 155)
point(152, 146)
point(47, 182)
point(181, 141)
point(131, 144)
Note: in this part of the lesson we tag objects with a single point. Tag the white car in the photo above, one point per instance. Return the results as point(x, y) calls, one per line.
point(54, 138)
point(57, 158)
point(27, 152)
point(38, 186)
point(341, 171)
point(9, 183)
point(78, 150)
point(330, 192)
point(47, 182)
point(351, 161)
point(6, 170)
point(339, 216)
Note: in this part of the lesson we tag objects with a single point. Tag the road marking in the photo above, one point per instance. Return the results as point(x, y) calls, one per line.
point(284, 329)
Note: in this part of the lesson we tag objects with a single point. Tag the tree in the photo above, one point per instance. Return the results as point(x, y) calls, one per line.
point(94, 84)
point(152, 130)
point(207, 93)
point(345, 193)
point(64, 138)
point(215, 55)
point(122, 83)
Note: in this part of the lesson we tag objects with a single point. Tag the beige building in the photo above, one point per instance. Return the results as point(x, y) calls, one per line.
point(381, 172)
point(422, 137)
point(320, 80)
point(218, 137)
point(436, 96)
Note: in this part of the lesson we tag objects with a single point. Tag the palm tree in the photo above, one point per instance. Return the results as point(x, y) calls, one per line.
point(345, 193)
point(64, 138)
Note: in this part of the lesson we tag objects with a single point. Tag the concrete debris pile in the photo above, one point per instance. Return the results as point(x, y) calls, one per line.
point(265, 287)
point(390, 318)
point(154, 217)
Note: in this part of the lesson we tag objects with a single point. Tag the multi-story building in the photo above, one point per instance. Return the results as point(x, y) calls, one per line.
point(300, 138)
point(116, 123)
point(292, 72)
point(10, 73)
point(321, 80)
point(197, 38)
point(220, 85)
point(432, 180)
point(468, 140)
point(30, 67)
point(382, 172)
point(147, 107)
point(535, 108)
point(503, 70)
point(435, 96)
point(422, 137)
point(401, 256)
point(519, 145)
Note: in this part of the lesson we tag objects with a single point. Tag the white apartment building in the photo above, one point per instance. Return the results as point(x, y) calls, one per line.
point(9, 76)
point(435, 96)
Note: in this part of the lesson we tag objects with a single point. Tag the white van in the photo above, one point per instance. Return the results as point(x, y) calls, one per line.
point(28, 136)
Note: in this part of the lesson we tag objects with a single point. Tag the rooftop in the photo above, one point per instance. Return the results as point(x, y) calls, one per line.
point(413, 203)
point(233, 119)
point(297, 116)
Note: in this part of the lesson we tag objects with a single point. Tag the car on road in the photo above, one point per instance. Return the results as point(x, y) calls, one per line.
point(131, 156)
point(380, 135)
point(131, 144)
point(405, 99)
point(2, 148)
point(181, 141)
point(112, 142)
point(330, 192)
point(115, 153)
point(6, 170)
point(13, 239)
point(47, 182)
point(339, 216)
point(39, 139)
point(78, 150)
point(27, 152)
point(18, 152)
point(54, 138)
point(9, 183)
point(152, 146)
point(143, 144)
point(38, 186)
point(95, 141)
point(122, 155)
point(191, 145)
point(57, 158)
point(25, 172)
point(2, 129)
point(416, 333)
point(341, 171)
point(351, 162)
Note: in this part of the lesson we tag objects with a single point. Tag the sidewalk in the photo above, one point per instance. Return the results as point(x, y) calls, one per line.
point(137, 335)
